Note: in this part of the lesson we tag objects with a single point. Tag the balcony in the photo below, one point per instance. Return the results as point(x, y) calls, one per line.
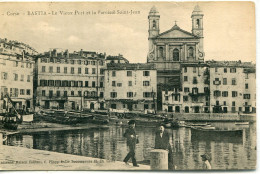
point(53, 98)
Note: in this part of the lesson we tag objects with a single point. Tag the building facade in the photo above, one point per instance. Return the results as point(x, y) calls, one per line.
point(16, 81)
point(130, 86)
point(233, 87)
point(71, 81)
point(168, 50)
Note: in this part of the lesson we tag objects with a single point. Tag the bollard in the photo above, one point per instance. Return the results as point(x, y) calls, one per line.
point(159, 159)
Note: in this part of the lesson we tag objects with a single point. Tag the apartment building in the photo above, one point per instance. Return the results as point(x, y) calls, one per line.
point(130, 86)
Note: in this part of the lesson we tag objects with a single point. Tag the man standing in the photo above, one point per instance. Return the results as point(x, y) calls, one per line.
point(162, 142)
point(131, 142)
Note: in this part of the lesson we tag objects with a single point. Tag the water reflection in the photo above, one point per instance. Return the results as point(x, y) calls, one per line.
point(227, 152)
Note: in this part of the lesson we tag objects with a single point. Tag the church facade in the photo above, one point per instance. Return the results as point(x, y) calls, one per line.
point(171, 49)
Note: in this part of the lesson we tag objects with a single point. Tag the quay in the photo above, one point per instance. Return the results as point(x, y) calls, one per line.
point(19, 158)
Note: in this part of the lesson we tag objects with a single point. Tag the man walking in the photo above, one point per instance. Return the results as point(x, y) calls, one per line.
point(132, 139)
point(162, 142)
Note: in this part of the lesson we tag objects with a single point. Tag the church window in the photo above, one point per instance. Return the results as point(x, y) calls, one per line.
point(190, 52)
point(176, 54)
point(160, 51)
point(154, 24)
point(197, 23)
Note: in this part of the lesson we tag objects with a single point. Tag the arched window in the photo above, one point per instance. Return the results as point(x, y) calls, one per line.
point(154, 24)
point(190, 52)
point(160, 51)
point(197, 23)
point(176, 54)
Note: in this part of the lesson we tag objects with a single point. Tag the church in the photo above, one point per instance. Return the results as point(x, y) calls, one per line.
point(171, 49)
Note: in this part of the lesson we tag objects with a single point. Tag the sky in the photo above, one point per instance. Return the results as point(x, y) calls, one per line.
point(229, 27)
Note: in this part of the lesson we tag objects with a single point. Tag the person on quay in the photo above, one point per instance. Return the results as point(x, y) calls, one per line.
point(206, 162)
point(162, 142)
point(132, 140)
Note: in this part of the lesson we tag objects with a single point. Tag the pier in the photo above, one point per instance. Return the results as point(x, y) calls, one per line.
point(19, 158)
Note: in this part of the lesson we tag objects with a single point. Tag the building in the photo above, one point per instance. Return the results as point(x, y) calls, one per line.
point(232, 86)
point(71, 81)
point(16, 81)
point(130, 86)
point(194, 96)
point(169, 49)
point(116, 59)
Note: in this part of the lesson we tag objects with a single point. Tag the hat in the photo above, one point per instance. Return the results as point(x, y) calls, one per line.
point(206, 156)
point(131, 122)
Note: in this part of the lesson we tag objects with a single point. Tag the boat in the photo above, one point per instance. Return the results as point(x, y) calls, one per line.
point(242, 123)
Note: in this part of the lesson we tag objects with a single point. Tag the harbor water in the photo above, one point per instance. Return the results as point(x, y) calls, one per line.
point(226, 152)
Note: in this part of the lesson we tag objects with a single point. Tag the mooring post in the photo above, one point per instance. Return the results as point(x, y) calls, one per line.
point(159, 159)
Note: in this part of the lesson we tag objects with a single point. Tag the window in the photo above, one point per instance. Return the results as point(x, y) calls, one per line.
point(224, 103)
point(72, 93)
point(65, 94)
point(119, 84)
point(194, 70)
point(246, 76)
point(79, 62)
point(102, 71)
point(58, 93)
point(86, 83)
point(101, 84)
point(246, 85)
point(129, 83)
point(51, 69)
point(224, 81)
point(234, 82)
point(113, 83)
point(51, 82)
point(246, 96)
point(234, 93)
point(72, 62)
point(194, 99)
point(190, 52)
point(57, 83)
point(224, 93)
point(93, 70)
point(185, 69)
point(86, 70)
point(185, 78)
point(79, 93)
point(113, 73)
point(217, 102)
point(129, 73)
point(28, 92)
point(28, 78)
point(195, 90)
point(146, 94)
point(160, 51)
point(176, 54)
point(4, 75)
point(58, 69)
point(22, 65)
point(185, 98)
point(113, 94)
point(93, 84)
point(21, 91)
point(166, 98)
point(146, 83)
point(217, 93)
point(225, 70)
point(79, 70)
point(22, 78)
point(146, 73)
point(216, 81)
point(195, 81)
point(65, 70)
point(101, 94)
point(80, 83)
point(43, 68)
point(130, 94)
point(93, 62)
point(72, 70)
point(186, 89)
point(15, 77)
point(233, 103)
point(233, 70)
point(216, 69)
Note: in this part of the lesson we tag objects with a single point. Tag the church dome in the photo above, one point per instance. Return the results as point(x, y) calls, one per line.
point(153, 11)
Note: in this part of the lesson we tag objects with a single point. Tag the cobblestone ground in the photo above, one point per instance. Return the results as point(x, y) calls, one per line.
point(18, 158)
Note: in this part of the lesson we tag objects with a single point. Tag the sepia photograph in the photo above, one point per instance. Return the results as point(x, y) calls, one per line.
point(128, 86)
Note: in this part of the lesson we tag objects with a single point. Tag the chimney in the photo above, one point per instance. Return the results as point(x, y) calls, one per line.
point(50, 53)
point(55, 52)
point(81, 52)
point(23, 54)
point(67, 53)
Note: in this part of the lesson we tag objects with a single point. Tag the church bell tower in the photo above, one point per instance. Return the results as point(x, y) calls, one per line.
point(154, 17)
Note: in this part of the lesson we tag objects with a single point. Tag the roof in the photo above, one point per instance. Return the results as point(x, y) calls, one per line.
point(230, 64)
point(153, 11)
point(120, 57)
point(177, 32)
point(131, 66)
point(197, 11)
